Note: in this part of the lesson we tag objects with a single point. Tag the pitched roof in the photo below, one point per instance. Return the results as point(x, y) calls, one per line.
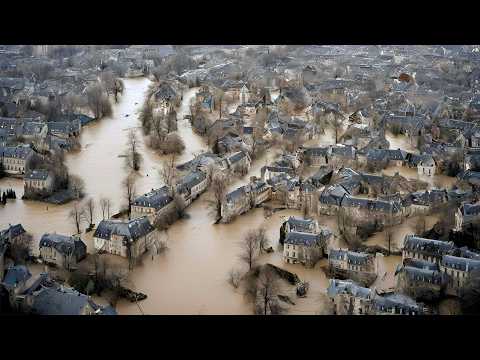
point(302, 238)
point(66, 245)
point(157, 198)
point(130, 230)
point(37, 174)
point(16, 274)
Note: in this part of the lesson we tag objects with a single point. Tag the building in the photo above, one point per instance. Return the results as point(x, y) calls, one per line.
point(457, 269)
point(415, 247)
point(38, 181)
point(15, 158)
point(191, 186)
point(349, 298)
point(466, 214)
point(153, 204)
point(305, 248)
point(129, 239)
point(419, 278)
point(239, 162)
point(346, 260)
point(62, 251)
point(426, 167)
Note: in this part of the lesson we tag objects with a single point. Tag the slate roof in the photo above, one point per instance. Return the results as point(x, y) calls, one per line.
point(351, 257)
point(396, 301)
point(190, 180)
point(16, 274)
point(302, 238)
point(156, 199)
point(301, 225)
point(12, 232)
point(36, 174)
point(19, 152)
point(460, 263)
point(59, 301)
point(130, 230)
point(429, 246)
point(65, 245)
point(336, 287)
point(236, 157)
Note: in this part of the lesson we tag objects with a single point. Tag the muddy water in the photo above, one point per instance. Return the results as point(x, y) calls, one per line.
point(191, 277)
point(194, 144)
point(98, 164)
point(400, 142)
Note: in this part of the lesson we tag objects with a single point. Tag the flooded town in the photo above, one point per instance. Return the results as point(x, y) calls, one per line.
point(239, 180)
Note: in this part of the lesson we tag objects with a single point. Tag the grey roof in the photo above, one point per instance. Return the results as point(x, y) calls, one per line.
point(352, 257)
point(236, 194)
point(237, 157)
point(336, 287)
point(301, 238)
point(190, 180)
point(371, 204)
point(302, 225)
point(59, 301)
point(396, 301)
point(156, 199)
point(66, 245)
point(11, 232)
point(433, 247)
point(12, 83)
point(460, 263)
point(37, 174)
point(130, 230)
point(16, 274)
point(20, 151)
point(421, 274)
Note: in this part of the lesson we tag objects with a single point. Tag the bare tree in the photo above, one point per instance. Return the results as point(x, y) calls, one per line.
point(89, 212)
point(133, 158)
point(129, 191)
point(234, 277)
point(105, 205)
point(337, 123)
point(20, 248)
point(97, 101)
point(249, 249)
point(168, 173)
point(219, 190)
point(267, 291)
point(76, 215)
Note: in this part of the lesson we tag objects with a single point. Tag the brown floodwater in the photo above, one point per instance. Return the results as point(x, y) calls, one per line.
point(191, 276)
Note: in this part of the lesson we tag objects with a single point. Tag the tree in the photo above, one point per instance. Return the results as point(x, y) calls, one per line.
point(105, 204)
point(89, 212)
point(76, 215)
point(20, 248)
point(337, 123)
point(133, 158)
point(249, 249)
point(234, 277)
point(76, 185)
point(219, 190)
point(129, 192)
point(168, 173)
point(97, 101)
point(268, 288)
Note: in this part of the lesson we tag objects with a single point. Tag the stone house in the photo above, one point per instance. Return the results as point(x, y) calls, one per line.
point(15, 282)
point(466, 214)
point(418, 248)
point(305, 248)
point(38, 181)
point(15, 158)
point(65, 129)
point(236, 203)
point(346, 261)
point(376, 210)
point(396, 304)
point(239, 162)
point(426, 166)
point(330, 199)
point(419, 277)
point(153, 204)
point(457, 270)
point(244, 198)
point(45, 297)
point(129, 239)
point(191, 186)
point(62, 251)
point(299, 225)
point(349, 298)
point(315, 156)
point(268, 172)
